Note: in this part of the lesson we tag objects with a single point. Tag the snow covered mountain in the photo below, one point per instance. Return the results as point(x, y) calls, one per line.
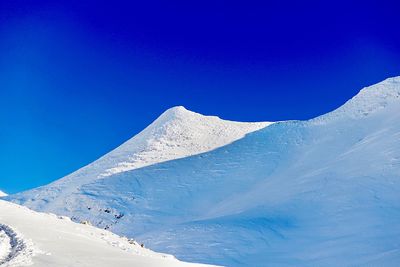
point(28, 237)
point(177, 133)
point(2, 194)
point(323, 192)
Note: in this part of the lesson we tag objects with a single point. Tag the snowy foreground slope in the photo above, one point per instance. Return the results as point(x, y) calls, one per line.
point(31, 238)
point(323, 192)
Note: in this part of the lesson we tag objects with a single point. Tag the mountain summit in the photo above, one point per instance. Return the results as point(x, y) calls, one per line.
point(369, 100)
point(322, 192)
point(177, 133)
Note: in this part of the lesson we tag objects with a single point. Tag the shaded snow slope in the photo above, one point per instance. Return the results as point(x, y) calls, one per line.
point(324, 192)
point(48, 240)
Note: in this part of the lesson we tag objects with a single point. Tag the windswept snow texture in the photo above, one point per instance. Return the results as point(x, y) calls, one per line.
point(177, 133)
point(64, 243)
point(323, 192)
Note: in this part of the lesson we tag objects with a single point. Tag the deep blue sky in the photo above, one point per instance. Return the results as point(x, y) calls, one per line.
point(77, 79)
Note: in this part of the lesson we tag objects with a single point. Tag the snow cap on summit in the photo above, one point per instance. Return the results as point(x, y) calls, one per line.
point(369, 100)
point(375, 97)
point(177, 109)
point(176, 133)
point(176, 112)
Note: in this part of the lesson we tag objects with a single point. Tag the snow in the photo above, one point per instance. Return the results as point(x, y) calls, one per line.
point(5, 245)
point(177, 133)
point(15, 250)
point(323, 192)
point(48, 240)
point(2, 194)
point(369, 100)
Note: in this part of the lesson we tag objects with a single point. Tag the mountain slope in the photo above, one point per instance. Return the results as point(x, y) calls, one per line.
point(177, 133)
point(324, 192)
point(28, 237)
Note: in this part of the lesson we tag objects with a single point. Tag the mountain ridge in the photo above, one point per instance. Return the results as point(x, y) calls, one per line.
point(368, 100)
point(177, 133)
point(274, 197)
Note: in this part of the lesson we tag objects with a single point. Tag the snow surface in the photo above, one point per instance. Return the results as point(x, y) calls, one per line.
point(2, 194)
point(323, 192)
point(177, 133)
point(48, 240)
point(14, 250)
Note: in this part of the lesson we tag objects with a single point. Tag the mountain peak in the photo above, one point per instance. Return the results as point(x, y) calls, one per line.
point(177, 109)
point(177, 112)
point(176, 133)
point(374, 98)
point(369, 100)
point(387, 88)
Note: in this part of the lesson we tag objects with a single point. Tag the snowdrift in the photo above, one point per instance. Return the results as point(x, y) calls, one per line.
point(28, 237)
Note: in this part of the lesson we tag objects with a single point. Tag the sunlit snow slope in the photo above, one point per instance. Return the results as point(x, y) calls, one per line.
point(28, 237)
point(324, 192)
point(177, 133)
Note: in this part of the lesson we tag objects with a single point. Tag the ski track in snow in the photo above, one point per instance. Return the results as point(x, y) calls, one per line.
point(14, 250)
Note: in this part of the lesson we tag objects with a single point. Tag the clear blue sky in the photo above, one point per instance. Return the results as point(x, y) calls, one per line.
point(77, 79)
